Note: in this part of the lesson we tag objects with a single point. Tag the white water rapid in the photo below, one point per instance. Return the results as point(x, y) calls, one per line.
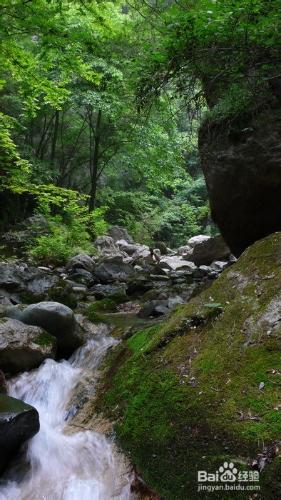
point(80, 466)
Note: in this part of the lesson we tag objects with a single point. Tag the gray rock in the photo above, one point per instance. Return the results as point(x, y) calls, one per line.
point(202, 272)
point(113, 269)
point(197, 240)
point(142, 253)
point(176, 263)
point(174, 301)
point(109, 291)
point(185, 252)
point(23, 347)
point(154, 308)
point(120, 233)
point(132, 249)
point(162, 247)
point(218, 265)
point(206, 251)
point(80, 290)
point(106, 247)
point(81, 261)
point(81, 276)
point(18, 423)
point(57, 319)
point(22, 281)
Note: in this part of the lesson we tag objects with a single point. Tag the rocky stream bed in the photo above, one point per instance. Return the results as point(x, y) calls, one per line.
point(171, 356)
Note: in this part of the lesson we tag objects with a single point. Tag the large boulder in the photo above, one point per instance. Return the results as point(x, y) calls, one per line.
point(208, 250)
point(120, 233)
point(113, 269)
point(197, 240)
point(106, 247)
point(241, 161)
point(133, 249)
point(81, 261)
point(81, 276)
point(23, 347)
point(18, 422)
point(111, 291)
point(57, 319)
point(22, 283)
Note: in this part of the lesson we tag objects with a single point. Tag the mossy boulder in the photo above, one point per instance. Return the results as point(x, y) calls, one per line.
point(23, 347)
point(56, 319)
point(205, 386)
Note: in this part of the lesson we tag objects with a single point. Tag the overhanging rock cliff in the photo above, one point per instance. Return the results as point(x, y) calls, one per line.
point(241, 160)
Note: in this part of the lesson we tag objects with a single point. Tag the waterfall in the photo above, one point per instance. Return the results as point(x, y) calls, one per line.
point(63, 465)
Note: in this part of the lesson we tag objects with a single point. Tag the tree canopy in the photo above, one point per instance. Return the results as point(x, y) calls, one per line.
point(101, 102)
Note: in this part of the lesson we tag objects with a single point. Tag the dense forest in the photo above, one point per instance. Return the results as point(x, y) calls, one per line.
point(140, 219)
point(73, 126)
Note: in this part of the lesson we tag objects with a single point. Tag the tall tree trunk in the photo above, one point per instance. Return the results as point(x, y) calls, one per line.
point(55, 137)
point(94, 160)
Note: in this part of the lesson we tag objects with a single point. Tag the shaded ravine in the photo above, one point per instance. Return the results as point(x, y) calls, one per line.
point(62, 466)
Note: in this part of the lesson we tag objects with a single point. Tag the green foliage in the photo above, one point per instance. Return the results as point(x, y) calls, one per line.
point(14, 171)
point(69, 231)
point(228, 48)
point(62, 242)
point(173, 218)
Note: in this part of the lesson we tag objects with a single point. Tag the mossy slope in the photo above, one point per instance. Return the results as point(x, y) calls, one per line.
point(205, 386)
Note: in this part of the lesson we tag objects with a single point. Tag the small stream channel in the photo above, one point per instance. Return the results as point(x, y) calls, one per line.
point(59, 464)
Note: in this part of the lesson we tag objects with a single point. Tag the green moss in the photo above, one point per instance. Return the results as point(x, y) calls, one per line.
point(186, 394)
point(96, 312)
point(45, 340)
point(104, 305)
point(95, 317)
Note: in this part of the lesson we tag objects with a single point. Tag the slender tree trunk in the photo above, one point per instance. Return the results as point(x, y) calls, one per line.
point(94, 160)
point(55, 137)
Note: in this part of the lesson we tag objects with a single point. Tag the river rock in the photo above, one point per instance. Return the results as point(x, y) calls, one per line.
point(113, 291)
point(133, 249)
point(22, 283)
point(185, 251)
point(106, 246)
point(120, 233)
point(57, 319)
point(176, 263)
point(81, 276)
point(23, 347)
point(18, 423)
point(208, 250)
point(197, 240)
point(154, 308)
point(219, 265)
point(81, 261)
point(113, 269)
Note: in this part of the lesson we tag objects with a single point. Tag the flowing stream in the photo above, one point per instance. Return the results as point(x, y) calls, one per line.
point(63, 465)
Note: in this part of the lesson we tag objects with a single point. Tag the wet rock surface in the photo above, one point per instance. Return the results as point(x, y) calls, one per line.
point(57, 319)
point(23, 347)
point(18, 423)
